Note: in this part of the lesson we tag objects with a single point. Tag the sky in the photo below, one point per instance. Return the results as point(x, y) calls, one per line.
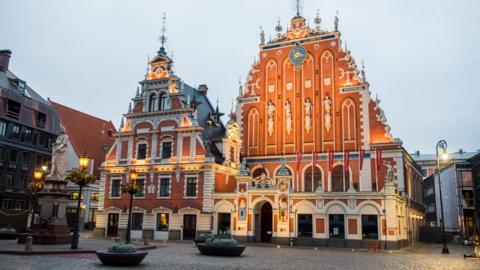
point(421, 57)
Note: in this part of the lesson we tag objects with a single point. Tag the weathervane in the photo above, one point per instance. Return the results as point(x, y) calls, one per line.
point(163, 38)
point(298, 6)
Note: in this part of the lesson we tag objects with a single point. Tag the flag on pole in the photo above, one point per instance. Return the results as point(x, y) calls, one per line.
point(330, 160)
point(299, 159)
point(346, 160)
point(362, 156)
point(379, 158)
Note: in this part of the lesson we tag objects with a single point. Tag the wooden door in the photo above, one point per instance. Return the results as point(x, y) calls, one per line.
point(189, 227)
point(112, 227)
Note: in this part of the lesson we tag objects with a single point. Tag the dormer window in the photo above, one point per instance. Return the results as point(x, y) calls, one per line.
point(162, 102)
point(13, 109)
point(151, 102)
point(41, 119)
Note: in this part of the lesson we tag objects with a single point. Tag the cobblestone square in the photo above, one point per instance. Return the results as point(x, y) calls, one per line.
point(185, 256)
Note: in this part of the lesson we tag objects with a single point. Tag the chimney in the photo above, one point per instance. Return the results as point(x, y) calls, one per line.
point(203, 88)
point(460, 151)
point(417, 153)
point(4, 59)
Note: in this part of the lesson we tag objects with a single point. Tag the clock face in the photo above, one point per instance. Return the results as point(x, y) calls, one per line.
point(297, 55)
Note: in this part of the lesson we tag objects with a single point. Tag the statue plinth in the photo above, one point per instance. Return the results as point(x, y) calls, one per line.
point(52, 227)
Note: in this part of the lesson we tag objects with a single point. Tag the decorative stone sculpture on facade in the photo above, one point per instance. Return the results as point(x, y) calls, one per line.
point(308, 117)
point(288, 117)
point(270, 111)
point(327, 106)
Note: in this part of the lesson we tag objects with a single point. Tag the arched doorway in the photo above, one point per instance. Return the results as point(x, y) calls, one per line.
point(263, 222)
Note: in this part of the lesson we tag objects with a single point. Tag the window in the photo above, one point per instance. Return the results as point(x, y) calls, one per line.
point(312, 179)
point(13, 156)
point(191, 187)
point(13, 109)
point(141, 184)
point(142, 151)
point(3, 128)
point(42, 139)
point(304, 225)
point(161, 102)
point(232, 154)
point(137, 221)
point(151, 103)
point(258, 172)
point(7, 204)
point(336, 226)
point(424, 172)
point(166, 149)
point(25, 158)
point(23, 181)
point(164, 187)
point(16, 131)
point(27, 135)
point(94, 196)
point(74, 196)
point(115, 190)
point(92, 214)
point(41, 119)
point(340, 179)
point(19, 205)
point(162, 222)
point(431, 208)
point(369, 226)
point(223, 223)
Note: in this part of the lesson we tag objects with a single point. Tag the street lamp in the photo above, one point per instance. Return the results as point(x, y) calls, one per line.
point(81, 177)
point(35, 187)
point(442, 145)
point(131, 188)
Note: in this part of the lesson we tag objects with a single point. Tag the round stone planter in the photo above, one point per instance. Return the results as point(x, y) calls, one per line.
point(218, 250)
point(121, 259)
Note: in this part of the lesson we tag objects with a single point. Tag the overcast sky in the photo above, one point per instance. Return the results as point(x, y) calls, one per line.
point(421, 57)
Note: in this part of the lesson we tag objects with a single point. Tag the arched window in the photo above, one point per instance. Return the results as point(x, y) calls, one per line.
point(253, 128)
point(151, 102)
point(312, 179)
point(162, 102)
point(348, 120)
point(340, 179)
point(258, 171)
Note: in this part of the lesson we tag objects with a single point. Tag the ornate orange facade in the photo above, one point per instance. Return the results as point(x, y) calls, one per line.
point(319, 163)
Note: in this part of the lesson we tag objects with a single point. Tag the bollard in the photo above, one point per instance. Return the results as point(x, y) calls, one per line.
point(28, 243)
point(145, 240)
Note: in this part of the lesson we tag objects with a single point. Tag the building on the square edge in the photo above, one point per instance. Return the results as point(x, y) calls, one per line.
point(475, 161)
point(304, 103)
point(457, 193)
point(28, 126)
point(91, 136)
point(428, 162)
point(174, 138)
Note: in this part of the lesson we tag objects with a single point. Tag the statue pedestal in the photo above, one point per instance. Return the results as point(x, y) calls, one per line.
point(52, 227)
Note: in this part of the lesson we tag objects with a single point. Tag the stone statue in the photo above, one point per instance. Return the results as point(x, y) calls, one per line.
point(270, 111)
point(59, 155)
point(389, 177)
point(335, 23)
point(262, 36)
point(308, 117)
point(288, 116)
point(327, 106)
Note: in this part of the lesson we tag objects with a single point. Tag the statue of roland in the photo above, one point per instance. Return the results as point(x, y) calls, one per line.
point(59, 156)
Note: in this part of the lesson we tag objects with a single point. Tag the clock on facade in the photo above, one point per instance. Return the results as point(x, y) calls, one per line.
point(297, 55)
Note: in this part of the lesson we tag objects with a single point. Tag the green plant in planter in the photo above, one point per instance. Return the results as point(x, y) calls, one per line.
point(122, 248)
point(215, 241)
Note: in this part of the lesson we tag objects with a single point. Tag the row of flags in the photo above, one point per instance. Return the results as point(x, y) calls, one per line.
point(346, 159)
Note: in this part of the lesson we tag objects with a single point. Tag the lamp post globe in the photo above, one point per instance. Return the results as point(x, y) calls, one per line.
point(442, 145)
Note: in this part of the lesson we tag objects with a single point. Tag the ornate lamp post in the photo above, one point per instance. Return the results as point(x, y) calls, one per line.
point(442, 145)
point(132, 188)
point(35, 187)
point(81, 177)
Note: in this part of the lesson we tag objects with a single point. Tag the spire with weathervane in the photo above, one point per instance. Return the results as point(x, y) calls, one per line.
point(161, 64)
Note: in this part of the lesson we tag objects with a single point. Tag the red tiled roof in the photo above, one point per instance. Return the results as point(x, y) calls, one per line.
point(86, 133)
